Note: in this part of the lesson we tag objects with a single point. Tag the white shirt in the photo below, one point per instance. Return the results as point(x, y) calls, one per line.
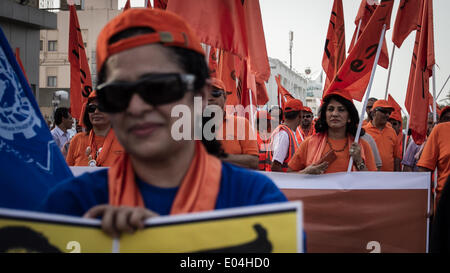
point(60, 137)
point(280, 146)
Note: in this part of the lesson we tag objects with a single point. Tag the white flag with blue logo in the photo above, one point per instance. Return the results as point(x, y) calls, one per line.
point(30, 161)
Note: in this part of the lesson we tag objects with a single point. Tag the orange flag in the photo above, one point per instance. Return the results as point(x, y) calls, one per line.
point(19, 61)
point(396, 106)
point(365, 12)
point(127, 5)
point(160, 4)
point(226, 71)
point(80, 74)
point(262, 97)
point(354, 74)
point(334, 54)
point(407, 19)
point(233, 25)
point(418, 95)
point(284, 94)
point(212, 62)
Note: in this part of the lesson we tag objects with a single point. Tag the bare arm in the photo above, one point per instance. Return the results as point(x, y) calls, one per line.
point(243, 160)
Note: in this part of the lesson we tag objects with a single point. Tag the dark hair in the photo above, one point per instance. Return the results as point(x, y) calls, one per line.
point(192, 62)
point(321, 123)
point(87, 121)
point(22, 237)
point(60, 113)
point(291, 115)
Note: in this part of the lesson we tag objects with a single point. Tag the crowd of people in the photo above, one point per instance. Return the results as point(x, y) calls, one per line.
point(127, 123)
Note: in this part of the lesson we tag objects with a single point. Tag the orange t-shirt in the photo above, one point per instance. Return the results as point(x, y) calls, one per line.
point(241, 139)
point(298, 162)
point(76, 156)
point(436, 153)
point(387, 144)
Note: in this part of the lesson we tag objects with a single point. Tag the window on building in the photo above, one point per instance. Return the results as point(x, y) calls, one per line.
point(51, 81)
point(41, 45)
point(52, 45)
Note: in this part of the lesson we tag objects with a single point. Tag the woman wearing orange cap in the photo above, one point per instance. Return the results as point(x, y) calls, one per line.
point(98, 146)
point(329, 150)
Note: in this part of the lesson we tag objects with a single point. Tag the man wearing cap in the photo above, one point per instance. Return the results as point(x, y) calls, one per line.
point(384, 136)
point(148, 62)
point(306, 128)
point(395, 120)
point(263, 127)
point(235, 134)
point(284, 141)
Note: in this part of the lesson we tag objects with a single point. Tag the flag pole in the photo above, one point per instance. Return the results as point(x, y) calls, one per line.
point(442, 87)
point(389, 73)
point(357, 32)
point(434, 122)
point(251, 108)
point(374, 67)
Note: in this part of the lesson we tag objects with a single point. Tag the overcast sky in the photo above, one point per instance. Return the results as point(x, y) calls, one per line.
point(309, 22)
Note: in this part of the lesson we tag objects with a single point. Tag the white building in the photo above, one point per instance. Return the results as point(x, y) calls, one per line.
point(54, 64)
point(299, 85)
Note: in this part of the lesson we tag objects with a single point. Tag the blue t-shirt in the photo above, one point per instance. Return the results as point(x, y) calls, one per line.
point(238, 187)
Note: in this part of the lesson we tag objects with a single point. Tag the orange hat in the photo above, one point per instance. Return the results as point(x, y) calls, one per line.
point(92, 96)
point(343, 93)
point(215, 82)
point(396, 115)
point(382, 104)
point(170, 30)
point(307, 109)
point(293, 105)
point(263, 115)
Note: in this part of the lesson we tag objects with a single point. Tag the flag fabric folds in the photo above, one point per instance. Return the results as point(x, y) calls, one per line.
point(334, 54)
point(30, 161)
point(80, 74)
point(160, 4)
point(127, 5)
point(354, 74)
point(365, 12)
point(418, 95)
point(407, 20)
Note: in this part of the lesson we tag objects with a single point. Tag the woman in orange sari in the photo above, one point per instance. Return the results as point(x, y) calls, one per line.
point(329, 150)
point(98, 146)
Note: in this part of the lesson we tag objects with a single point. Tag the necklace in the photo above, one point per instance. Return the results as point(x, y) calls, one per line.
point(337, 151)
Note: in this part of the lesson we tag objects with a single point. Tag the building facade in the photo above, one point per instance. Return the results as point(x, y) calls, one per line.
point(54, 63)
point(22, 21)
point(301, 86)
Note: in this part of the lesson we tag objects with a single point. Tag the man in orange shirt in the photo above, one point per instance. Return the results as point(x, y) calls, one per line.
point(305, 129)
point(240, 144)
point(395, 119)
point(369, 106)
point(436, 153)
point(384, 136)
point(284, 141)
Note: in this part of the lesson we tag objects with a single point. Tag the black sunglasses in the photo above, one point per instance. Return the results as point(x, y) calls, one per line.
point(91, 108)
point(216, 93)
point(154, 89)
point(384, 110)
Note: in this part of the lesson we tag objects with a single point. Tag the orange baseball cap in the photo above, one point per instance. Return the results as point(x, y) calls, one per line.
point(396, 115)
point(382, 104)
point(293, 105)
point(217, 83)
point(170, 30)
point(263, 114)
point(342, 93)
point(306, 109)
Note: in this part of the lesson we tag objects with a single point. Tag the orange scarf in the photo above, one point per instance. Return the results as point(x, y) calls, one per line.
point(107, 144)
point(317, 145)
point(198, 191)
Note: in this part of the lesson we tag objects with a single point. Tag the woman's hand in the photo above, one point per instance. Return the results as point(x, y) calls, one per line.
point(355, 152)
point(116, 220)
point(315, 168)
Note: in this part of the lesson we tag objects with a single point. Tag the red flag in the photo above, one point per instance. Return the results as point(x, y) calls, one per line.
point(365, 12)
point(233, 25)
point(285, 95)
point(149, 4)
point(397, 108)
point(418, 95)
point(261, 93)
point(19, 61)
point(226, 71)
point(80, 74)
point(334, 54)
point(161, 4)
point(354, 74)
point(407, 19)
point(127, 5)
point(212, 63)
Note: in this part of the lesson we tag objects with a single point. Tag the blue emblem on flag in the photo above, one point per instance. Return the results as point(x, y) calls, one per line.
point(30, 161)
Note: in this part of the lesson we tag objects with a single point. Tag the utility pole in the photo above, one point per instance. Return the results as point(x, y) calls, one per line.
point(291, 38)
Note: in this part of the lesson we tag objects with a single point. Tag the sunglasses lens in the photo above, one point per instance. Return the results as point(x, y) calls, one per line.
point(216, 93)
point(91, 108)
point(161, 90)
point(114, 97)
